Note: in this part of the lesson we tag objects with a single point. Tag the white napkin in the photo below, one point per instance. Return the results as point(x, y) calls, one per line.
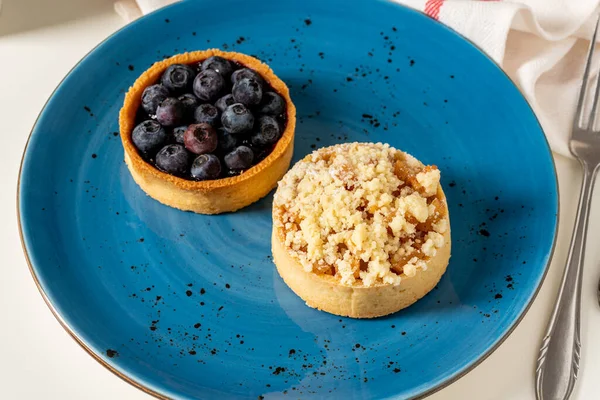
point(541, 44)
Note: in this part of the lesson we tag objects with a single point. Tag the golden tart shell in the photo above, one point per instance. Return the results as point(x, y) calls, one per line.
point(214, 196)
point(326, 293)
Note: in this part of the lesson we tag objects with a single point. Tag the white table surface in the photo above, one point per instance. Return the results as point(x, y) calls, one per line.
point(39, 360)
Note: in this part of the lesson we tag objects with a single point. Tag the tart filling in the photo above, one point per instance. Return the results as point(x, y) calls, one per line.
point(366, 214)
point(209, 119)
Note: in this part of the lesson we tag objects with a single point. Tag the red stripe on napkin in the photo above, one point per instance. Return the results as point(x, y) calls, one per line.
point(432, 8)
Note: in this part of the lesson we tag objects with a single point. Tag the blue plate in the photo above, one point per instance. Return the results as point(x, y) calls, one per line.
point(191, 306)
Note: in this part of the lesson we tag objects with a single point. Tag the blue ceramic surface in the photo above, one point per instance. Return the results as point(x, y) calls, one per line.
point(191, 306)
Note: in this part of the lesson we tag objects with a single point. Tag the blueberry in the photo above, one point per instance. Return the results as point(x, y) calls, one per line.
point(227, 141)
point(206, 113)
point(148, 136)
point(170, 112)
point(200, 138)
point(178, 78)
point(240, 158)
point(190, 102)
point(152, 97)
point(247, 73)
point(247, 91)
point(178, 133)
point(173, 159)
point(206, 166)
point(268, 132)
point(272, 104)
point(208, 85)
point(224, 102)
point(218, 64)
point(237, 119)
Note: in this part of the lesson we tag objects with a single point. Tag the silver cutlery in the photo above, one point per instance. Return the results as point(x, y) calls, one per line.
point(558, 360)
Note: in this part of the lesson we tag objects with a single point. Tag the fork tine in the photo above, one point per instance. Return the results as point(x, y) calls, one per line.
point(586, 73)
point(597, 91)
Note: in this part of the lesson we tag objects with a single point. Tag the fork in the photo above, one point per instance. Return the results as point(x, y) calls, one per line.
point(558, 360)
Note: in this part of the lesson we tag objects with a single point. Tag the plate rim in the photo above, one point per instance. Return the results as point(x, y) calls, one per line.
point(137, 383)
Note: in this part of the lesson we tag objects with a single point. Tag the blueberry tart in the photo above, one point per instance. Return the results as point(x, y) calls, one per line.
point(360, 229)
point(208, 131)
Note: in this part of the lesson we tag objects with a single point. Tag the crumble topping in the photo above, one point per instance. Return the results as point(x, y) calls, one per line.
point(361, 212)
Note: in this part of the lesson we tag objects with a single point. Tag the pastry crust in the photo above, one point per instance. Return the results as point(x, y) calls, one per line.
point(214, 196)
point(326, 293)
